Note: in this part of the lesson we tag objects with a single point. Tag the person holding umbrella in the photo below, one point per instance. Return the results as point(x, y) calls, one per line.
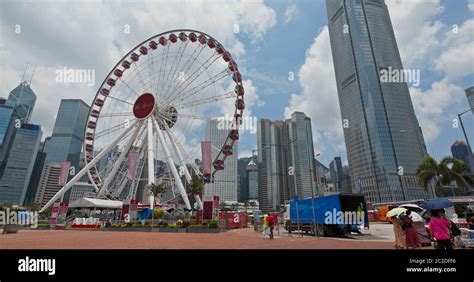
point(412, 240)
point(439, 228)
point(400, 236)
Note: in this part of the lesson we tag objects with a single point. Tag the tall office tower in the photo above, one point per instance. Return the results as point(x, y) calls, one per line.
point(285, 160)
point(20, 163)
point(35, 177)
point(462, 152)
point(335, 168)
point(7, 130)
point(302, 154)
point(470, 97)
point(383, 139)
point(49, 183)
point(270, 164)
point(320, 171)
point(68, 132)
point(252, 179)
point(225, 181)
point(24, 99)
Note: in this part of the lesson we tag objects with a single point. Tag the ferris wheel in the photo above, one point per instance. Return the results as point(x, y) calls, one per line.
point(150, 114)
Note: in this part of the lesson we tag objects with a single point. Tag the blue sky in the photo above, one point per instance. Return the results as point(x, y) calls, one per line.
point(277, 37)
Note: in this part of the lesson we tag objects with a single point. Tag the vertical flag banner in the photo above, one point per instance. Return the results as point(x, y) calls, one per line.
point(132, 164)
point(206, 156)
point(63, 175)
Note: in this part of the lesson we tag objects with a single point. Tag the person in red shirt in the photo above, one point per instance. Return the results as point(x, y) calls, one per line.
point(271, 223)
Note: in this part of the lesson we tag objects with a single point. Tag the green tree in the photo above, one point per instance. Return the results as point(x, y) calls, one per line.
point(158, 189)
point(443, 173)
point(196, 187)
point(32, 206)
point(158, 213)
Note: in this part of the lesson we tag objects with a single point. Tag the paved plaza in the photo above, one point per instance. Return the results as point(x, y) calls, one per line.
point(378, 237)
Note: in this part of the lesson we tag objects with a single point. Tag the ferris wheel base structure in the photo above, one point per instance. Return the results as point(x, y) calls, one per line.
point(168, 83)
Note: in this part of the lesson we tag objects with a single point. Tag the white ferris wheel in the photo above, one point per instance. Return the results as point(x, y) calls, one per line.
point(150, 113)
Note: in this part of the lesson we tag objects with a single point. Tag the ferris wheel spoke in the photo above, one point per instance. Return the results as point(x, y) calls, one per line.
point(174, 67)
point(86, 168)
point(129, 87)
point(119, 114)
point(206, 100)
point(119, 161)
point(197, 73)
point(187, 66)
point(164, 71)
point(195, 117)
point(139, 169)
point(120, 100)
point(169, 159)
point(202, 86)
point(112, 129)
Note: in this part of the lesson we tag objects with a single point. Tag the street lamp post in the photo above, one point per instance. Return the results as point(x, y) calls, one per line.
point(314, 214)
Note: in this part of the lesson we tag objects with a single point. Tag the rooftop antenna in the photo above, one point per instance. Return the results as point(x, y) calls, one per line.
point(23, 76)
point(32, 74)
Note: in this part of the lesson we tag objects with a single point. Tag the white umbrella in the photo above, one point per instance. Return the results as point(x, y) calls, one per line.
point(411, 207)
point(416, 217)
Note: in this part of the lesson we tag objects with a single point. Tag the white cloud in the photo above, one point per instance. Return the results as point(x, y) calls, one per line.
point(432, 105)
point(470, 5)
point(290, 13)
point(457, 57)
point(414, 27)
point(319, 98)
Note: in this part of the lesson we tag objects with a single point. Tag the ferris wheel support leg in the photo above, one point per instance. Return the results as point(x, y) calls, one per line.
point(177, 179)
point(83, 171)
point(181, 160)
point(151, 152)
point(117, 164)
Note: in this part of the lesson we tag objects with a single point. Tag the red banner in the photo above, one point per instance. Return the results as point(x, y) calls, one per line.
point(64, 173)
point(206, 156)
point(132, 164)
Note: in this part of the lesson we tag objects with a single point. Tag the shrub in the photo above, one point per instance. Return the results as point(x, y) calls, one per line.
point(179, 222)
point(186, 223)
point(158, 213)
point(213, 224)
point(204, 224)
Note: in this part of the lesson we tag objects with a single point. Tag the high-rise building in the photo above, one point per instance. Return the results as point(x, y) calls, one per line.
point(302, 155)
point(7, 130)
point(20, 163)
point(225, 181)
point(49, 183)
point(252, 179)
point(461, 151)
point(68, 132)
point(242, 163)
point(24, 99)
point(335, 169)
point(346, 180)
point(285, 160)
point(383, 139)
point(470, 97)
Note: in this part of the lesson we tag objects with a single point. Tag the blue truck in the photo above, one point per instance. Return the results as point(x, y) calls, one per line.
point(332, 215)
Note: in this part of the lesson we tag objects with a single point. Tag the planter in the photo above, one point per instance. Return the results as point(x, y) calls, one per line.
point(209, 230)
point(194, 229)
point(155, 229)
point(41, 228)
point(182, 230)
point(10, 228)
point(169, 229)
point(141, 229)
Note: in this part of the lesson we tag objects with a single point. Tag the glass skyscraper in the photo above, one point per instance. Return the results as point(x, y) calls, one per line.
point(461, 151)
point(24, 99)
point(7, 129)
point(19, 165)
point(383, 139)
point(225, 181)
point(285, 160)
point(68, 132)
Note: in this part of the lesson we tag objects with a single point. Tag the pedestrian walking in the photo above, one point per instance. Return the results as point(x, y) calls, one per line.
point(412, 240)
point(265, 226)
point(439, 229)
point(271, 224)
point(400, 236)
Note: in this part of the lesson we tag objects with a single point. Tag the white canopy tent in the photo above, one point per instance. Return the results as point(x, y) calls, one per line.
point(96, 203)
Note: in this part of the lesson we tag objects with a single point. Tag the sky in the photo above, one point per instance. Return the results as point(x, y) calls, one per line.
point(282, 48)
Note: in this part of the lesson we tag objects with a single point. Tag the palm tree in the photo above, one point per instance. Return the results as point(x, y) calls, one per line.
point(443, 173)
point(196, 187)
point(156, 190)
